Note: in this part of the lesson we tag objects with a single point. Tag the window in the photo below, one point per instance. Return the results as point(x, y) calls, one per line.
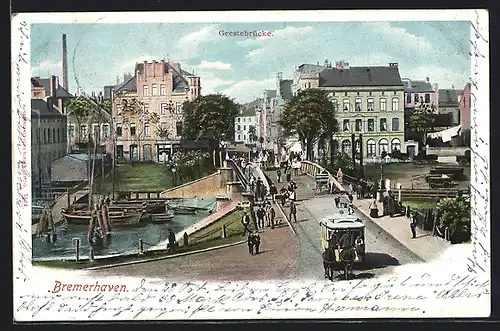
point(145, 108)
point(58, 135)
point(395, 145)
point(38, 135)
point(132, 129)
point(465, 102)
point(371, 147)
point(415, 98)
point(239, 127)
point(383, 145)
point(105, 130)
point(358, 104)
point(395, 104)
point(370, 104)
point(359, 125)
point(427, 98)
point(239, 118)
point(347, 104)
point(408, 97)
point(83, 131)
point(178, 107)
point(244, 127)
point(345, 93)
point(145, 91)
point(95, 131)
point(244, 137)
point(335, 104)
point(346, 146)
point(146, 129)
point(383, 104)
point(44, 136)
point(239, 137)
point(371, 125)
point(395, 124)
point(383, 124)
point(162, 89)
point(163, 109)
point(154, 90)
point(178, 128)
point(65, 137)
point(71, 131)
point(53, 135)
point(346, 126)
point(119, 130)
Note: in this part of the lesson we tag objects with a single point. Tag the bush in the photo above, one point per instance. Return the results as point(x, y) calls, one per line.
point(454, 214)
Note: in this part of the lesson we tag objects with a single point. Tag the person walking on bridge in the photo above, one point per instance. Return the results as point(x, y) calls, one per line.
point(272, 216)
point(245, 220)
point(278, 175)
point(260, 217)
point(293, 212)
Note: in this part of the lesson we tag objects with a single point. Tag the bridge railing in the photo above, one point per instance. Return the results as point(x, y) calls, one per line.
point(312, 169)
point(239, 173)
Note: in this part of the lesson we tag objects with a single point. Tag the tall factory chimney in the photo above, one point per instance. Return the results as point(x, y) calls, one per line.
point(64, 63)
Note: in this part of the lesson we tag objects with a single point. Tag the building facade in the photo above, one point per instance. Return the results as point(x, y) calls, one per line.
point(420, 93)
point(464, 99)
point(161, 88)
point(243, 125)
point(48, 140)
point(267, 118)
point(283, 95)
point(368, 101)
point(449, 104)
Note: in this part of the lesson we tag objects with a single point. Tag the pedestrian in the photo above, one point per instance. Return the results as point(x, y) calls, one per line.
point(260, 217)
point(413, 226)
point(293, 212)
point(258, 186)
point(250, 243)
point(256, 238)
point(245, 220)
point(359, 191)
point(284, 194)
point(108, 201)
point(252, 183)
point(337, 202)
point(278, 175)
point(171, 240)
point(273, 191)
point(373, 209)
point(351, 198)
point(391, 205)
point(272, 216)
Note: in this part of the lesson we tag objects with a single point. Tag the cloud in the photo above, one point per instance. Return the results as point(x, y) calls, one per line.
point(188, 46)
point(212, 84)
point(280, 34)
point(248, 90)
point(47, 67)
point(217, 65)
point(399, 36)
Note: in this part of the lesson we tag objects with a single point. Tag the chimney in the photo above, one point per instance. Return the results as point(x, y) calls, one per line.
point(393, 64)
point(427, 79)
point(53, 84)
point(64, 63)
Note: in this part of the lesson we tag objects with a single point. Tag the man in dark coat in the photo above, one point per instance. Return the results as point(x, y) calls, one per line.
point(391, 206)
point(260, 217)
point(278, 175)
point(293, 212)
point(171, 240)
point(273, 191)
point(413, 226)
point(256, 238)
point(250, 243)
point(258, 189)
point(272, 216)
point(245, 220)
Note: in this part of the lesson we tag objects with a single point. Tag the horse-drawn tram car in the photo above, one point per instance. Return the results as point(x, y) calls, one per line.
point(343, 240)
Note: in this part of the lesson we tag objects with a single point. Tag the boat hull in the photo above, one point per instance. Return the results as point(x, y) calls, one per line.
point(162, 218)
point(121, 219)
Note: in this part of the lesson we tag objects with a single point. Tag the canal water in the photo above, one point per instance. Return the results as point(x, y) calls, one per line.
point(124, 239)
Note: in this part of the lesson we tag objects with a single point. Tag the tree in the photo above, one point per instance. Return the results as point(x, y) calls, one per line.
point(454, 214)
point(210, 117)
point(311, 115)
point(252, 133)
point(421, 121)
point(80, 109)
point(131, 109)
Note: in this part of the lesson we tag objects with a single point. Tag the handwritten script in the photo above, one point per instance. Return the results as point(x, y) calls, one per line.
point(147, 300)
point(480, 174)
point(21, 152)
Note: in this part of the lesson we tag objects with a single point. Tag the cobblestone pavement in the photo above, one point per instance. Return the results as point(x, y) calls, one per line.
point(275, 261)
point(383, 252)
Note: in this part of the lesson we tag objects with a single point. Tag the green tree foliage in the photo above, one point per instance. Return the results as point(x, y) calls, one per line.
point(310, 115)
point(454, 214)
point(421, 121)
point(210, 117)
point(130, 109)
point(190, 165)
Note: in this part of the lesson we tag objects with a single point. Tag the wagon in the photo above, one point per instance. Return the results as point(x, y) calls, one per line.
point(322, 181)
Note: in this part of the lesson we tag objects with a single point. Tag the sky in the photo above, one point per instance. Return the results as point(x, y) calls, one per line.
point(241, 67)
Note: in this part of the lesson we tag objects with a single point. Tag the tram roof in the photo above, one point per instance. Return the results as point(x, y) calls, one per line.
point(339, 221)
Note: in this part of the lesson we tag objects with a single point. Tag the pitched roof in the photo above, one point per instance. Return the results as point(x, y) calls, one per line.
point(127, 85)
point(248, 112)
point(417, 86)
point(448, 97)
point(310, 68)
point(45, 83)
point(286, 89)
point(360, 76)
point(42, 106)
point(253, 104)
